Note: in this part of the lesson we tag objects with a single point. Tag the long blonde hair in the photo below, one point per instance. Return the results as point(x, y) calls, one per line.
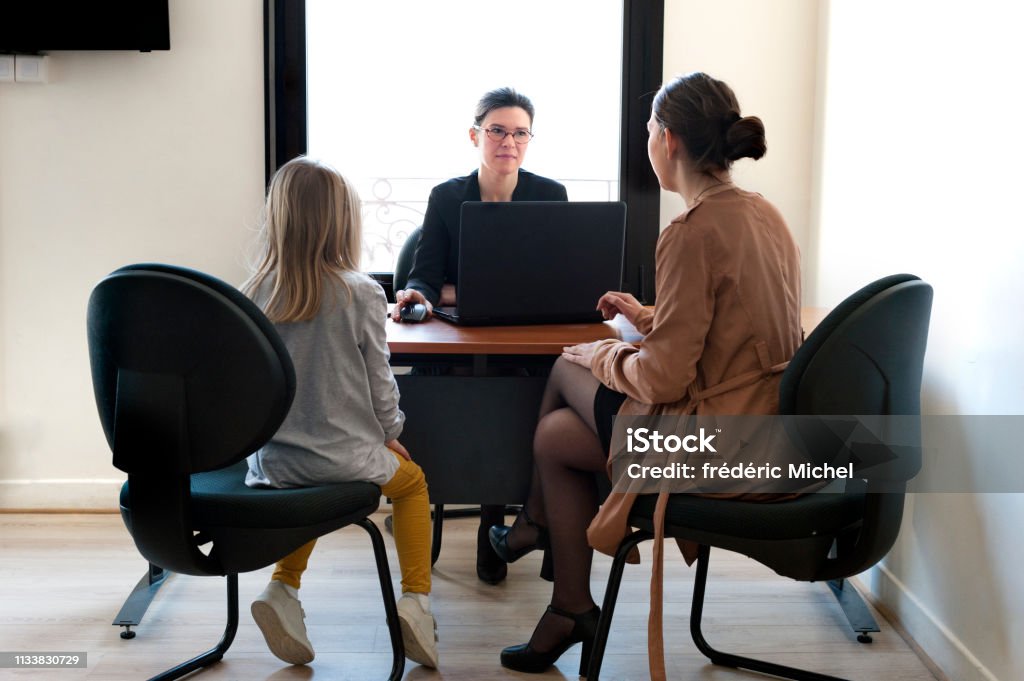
point(311, 233)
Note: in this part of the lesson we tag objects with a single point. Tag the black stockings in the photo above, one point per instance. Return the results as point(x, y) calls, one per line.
point(567, 453)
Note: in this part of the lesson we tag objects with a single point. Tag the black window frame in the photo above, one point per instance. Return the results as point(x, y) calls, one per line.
point(285, 91)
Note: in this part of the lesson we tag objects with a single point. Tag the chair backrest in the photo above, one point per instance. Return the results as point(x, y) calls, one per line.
point(403, 266)
point(873, 338)
point(189, 376)
point(866, 358)
point(188, 373)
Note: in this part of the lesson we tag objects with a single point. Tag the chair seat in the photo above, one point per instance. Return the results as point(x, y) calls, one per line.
point(812, 515)
point(221, 499)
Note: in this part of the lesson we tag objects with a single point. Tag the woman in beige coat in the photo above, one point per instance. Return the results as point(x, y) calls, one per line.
point(726, 322)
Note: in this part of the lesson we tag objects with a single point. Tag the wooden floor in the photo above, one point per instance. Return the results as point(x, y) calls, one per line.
point(64, 577)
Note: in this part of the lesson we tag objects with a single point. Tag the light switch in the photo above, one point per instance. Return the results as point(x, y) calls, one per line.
point(6, 68)
point(30, 69)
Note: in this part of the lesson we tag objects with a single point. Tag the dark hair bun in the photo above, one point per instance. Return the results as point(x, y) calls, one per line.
point(704, 113)
point(745, 139)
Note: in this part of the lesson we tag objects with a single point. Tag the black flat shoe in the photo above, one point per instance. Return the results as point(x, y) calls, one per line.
point(523, 658)
point(499, 540)
point(490, 568)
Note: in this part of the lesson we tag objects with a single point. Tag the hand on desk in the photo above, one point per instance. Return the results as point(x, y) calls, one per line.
point(409, 297)
point(619, 302)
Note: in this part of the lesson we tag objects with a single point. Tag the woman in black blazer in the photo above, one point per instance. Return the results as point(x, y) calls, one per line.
point(501, 130)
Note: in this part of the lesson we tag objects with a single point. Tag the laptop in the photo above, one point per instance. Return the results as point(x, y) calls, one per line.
point(537, 262)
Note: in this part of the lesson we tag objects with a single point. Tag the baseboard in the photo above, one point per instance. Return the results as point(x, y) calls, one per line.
point(935, 641)
point(68, 495)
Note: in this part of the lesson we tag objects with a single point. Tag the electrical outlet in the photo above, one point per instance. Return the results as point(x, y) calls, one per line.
point(6, 68)
point(30, 69)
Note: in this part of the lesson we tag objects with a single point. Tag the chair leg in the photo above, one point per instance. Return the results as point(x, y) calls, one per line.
point(856, 611)
point(214, 654)
point(611, 593)
point(439, 514)
point(388, 593)
point(726, 659)
point(138, 600)
point(438, 526)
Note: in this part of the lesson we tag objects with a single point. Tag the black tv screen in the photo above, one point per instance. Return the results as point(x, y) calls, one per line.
point(45, 25)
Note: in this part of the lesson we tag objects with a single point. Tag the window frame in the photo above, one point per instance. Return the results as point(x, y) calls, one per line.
point(285, 117)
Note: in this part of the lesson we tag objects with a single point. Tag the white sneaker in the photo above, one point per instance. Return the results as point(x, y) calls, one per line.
point(279, 615)
point(419, 631)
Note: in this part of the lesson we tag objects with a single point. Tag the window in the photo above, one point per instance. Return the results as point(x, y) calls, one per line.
point(385, 91)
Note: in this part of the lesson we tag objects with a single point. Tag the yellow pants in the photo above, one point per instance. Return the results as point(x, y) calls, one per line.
point(408, 492)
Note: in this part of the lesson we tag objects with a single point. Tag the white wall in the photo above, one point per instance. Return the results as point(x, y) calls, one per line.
point(767, 52)
point(122, 157)
point(921, 153)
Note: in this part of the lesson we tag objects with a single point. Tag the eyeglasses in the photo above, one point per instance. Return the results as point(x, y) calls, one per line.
point(498, 134)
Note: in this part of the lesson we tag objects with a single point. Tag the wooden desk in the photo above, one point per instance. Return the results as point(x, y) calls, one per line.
point(436, 337)
point(471, 401)
point(439, 337)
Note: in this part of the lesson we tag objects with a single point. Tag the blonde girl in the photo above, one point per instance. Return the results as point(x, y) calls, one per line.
point(344, 422)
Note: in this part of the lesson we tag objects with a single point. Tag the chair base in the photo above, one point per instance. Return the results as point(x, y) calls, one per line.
point(857, 613)
point(216, 653)
point(138, 600)
point(696, 612)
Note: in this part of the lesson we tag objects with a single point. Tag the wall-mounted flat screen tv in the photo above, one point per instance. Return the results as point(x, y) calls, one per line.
point(32, 26)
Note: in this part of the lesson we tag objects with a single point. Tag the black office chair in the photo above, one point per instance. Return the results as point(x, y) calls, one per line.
point(190, 377)
point(403, 265)
point(865, 358)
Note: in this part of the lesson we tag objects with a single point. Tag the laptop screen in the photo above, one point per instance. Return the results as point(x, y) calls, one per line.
point(538, 261)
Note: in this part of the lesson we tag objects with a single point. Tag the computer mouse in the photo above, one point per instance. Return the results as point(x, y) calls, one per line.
point(415, 312)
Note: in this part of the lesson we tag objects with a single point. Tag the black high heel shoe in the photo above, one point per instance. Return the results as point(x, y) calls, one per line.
point(499, 540)
point(523, 658)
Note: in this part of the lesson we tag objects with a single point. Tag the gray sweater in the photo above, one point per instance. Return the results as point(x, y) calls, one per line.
point(346, 398)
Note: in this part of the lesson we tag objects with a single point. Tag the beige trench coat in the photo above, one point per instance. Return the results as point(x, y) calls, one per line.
point(726, 323)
